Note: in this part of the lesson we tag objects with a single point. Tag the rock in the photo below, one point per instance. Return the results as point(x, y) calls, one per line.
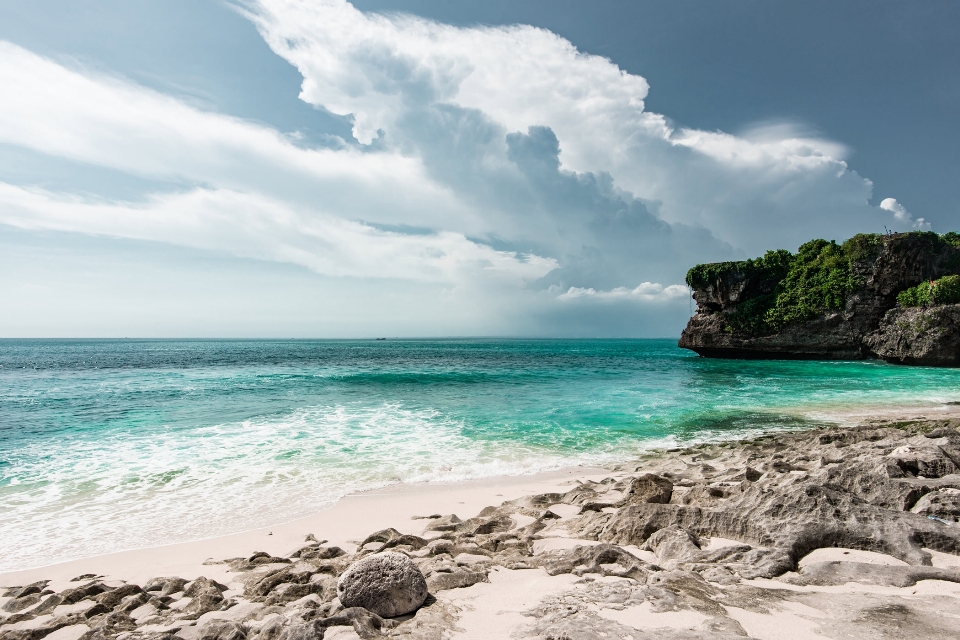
point(917, 336)
point(319, 553)
point(366, 623)
point(471, 558)
point(264, 584)
point(304, 631)
point(111, 599)
point(649, 488)
point(446, 523)
point(43, 630)
point(671, 543)
point(389, 538)
point(454, 580)
point(222, 630)
point(262, 557)
point(30, 589)
point(440, 546)
point(943, 504)
point(166, 586)
point(109, 626)
point(605, 559)
point(206, 595)
point(388, 584)
point(901, 261)
point(840, 573)
point(19, 604)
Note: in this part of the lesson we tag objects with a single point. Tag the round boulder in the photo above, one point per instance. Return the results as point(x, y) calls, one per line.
point(388, 584)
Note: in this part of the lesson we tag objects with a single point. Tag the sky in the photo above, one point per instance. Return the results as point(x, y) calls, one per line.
point(414, 168)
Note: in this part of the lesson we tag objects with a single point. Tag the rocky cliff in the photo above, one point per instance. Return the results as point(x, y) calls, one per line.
point(828, 301)
point(919, 336)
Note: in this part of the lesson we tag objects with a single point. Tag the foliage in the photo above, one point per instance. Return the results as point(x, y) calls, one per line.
point(819, 279)
point(750, 315)
point(952, 238)
point(946, 290)
point(772, 265)
point(863, 247)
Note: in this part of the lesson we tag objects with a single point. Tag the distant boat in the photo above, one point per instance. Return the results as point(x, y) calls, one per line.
point(381, 338)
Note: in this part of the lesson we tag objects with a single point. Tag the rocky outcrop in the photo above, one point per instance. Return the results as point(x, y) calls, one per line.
point(850, 331)
point(678, 540)
point(918, 336)
point(388, 584)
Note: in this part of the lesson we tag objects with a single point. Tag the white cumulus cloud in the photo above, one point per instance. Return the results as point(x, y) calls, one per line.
point(500, 160)
point(902, 215)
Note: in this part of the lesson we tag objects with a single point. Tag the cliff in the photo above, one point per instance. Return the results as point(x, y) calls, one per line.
point(919, 336)
point(827, 301)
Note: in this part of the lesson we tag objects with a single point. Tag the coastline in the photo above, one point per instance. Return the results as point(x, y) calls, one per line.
point(586, 549)
point(348, 520)
point(356, 514)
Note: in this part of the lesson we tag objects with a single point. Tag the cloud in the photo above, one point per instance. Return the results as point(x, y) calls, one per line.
point(645, 292)
point(774, 186)
point(252, 226)
point(499, 162)
point(902, 215)
point(95, 119)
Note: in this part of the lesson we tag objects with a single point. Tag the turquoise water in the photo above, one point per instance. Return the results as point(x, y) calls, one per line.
point(110, 445)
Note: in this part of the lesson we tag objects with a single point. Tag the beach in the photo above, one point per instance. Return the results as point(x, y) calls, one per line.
point(120, 445)
point(829, 532)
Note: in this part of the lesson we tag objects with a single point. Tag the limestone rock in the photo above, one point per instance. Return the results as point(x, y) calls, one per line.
point(454, 580)
point(943, 504)
point(166, 586)
point(222, 630)
point(650, 488)
point(904, 260)
point(19, 604)
point(388, 584)
point(839, 573)
point(671, 543)
point(445, 523)
point(926, 337)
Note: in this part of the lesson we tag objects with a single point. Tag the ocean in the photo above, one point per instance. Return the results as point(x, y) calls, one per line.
point(108, 445)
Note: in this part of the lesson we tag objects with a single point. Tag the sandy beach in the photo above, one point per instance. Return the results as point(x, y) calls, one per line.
point(708, 542)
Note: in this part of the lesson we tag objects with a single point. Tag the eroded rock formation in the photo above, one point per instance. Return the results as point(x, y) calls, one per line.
point(678, 540)
point(733, 297)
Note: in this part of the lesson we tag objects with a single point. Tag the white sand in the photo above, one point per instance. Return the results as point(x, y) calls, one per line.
point(837, 554)
point(495, 609)
point(344, 524)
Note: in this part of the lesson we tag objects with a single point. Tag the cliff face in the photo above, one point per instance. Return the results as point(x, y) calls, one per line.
point(918, 336)
point(741, 307)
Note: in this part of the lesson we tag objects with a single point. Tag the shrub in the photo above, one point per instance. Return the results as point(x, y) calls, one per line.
point(773, 265)
point(863, 247)
point(946, 290)
point(952, 238)
point(819, 279)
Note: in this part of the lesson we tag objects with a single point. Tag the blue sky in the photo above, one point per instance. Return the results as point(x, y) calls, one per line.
point(411, 168)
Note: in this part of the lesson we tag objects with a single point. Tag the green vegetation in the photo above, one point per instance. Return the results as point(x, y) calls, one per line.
point(819, 277)
point(772, 265)
point(951, 238)
point(863, 247)
point(946, 290)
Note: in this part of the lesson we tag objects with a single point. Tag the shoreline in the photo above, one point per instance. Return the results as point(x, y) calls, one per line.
point(395, 505)
point(347, 519)
point(831, 531)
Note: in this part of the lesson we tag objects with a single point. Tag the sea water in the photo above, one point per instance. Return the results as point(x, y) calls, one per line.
point(112, 445)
